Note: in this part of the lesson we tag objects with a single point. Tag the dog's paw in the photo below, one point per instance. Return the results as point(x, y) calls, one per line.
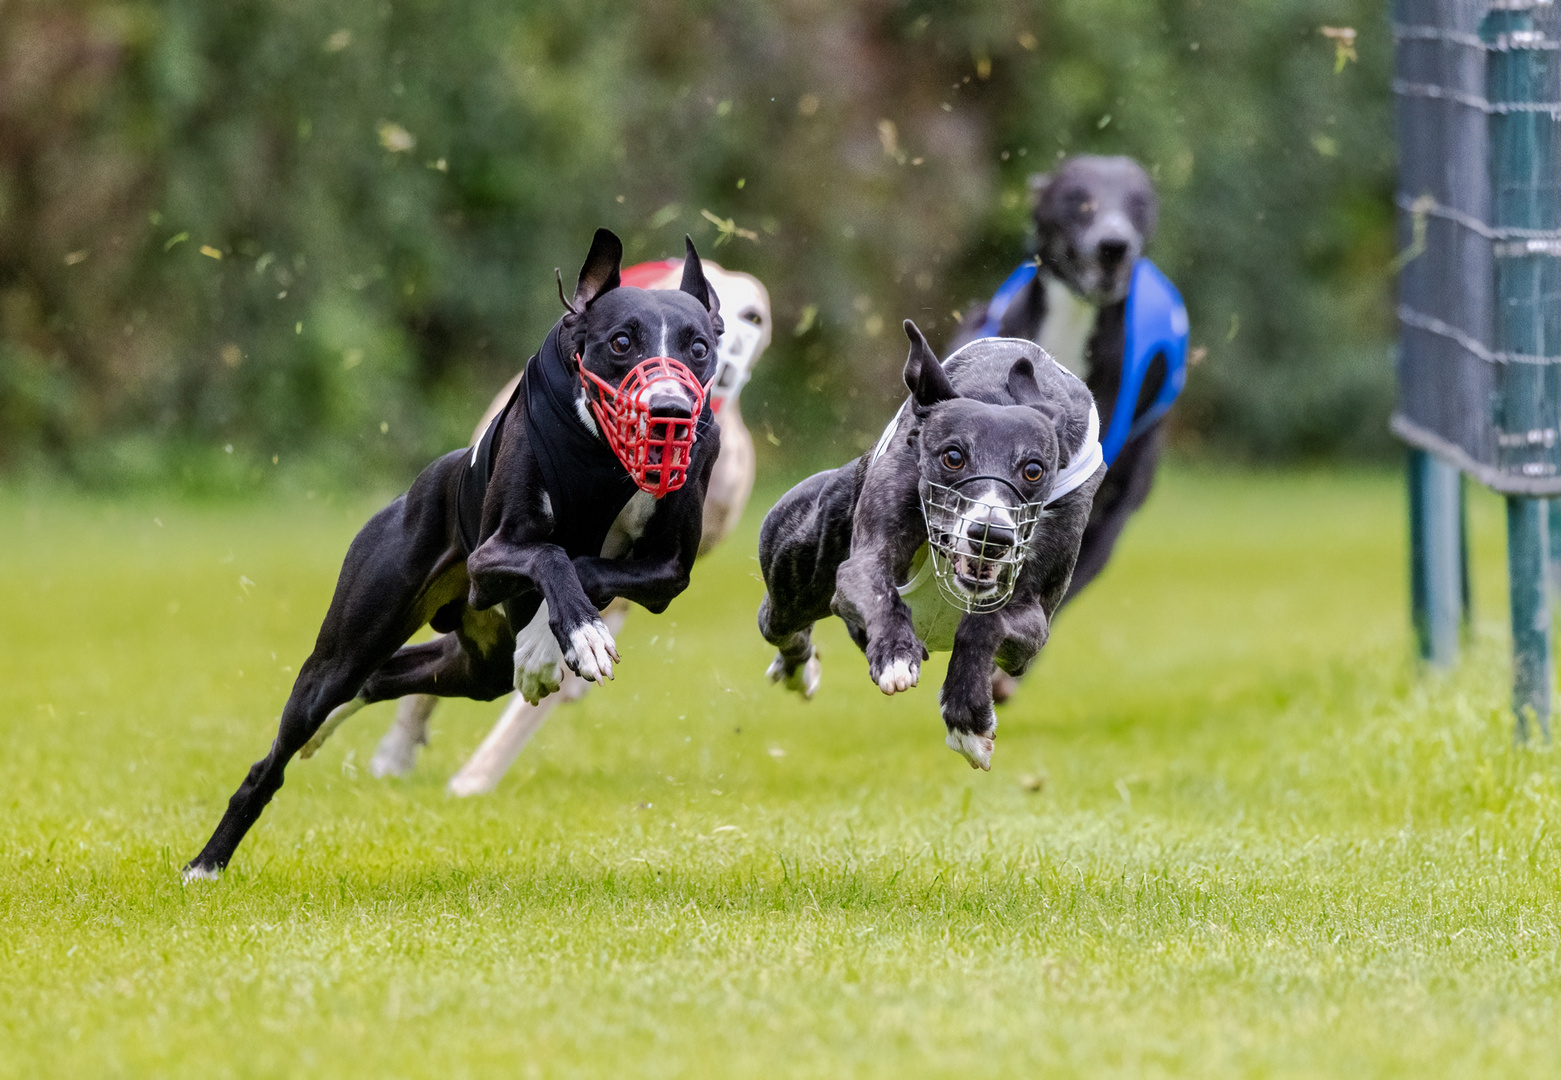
point(899, 675)
point(193, 873)
point(396, 753)
point(591, 651)
point(536, 681)
point(539, 664)
point(974, 748)
point(804, 678)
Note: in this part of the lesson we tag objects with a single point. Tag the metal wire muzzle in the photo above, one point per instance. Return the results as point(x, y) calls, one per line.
point(977, 547)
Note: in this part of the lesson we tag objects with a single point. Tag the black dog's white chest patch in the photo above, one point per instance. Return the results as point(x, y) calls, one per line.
point(1066, 330)
point(629, 525)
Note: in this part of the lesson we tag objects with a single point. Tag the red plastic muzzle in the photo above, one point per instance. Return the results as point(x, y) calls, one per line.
point(656, 450)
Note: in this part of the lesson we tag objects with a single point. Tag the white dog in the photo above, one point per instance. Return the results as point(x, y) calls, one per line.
point(745, 306)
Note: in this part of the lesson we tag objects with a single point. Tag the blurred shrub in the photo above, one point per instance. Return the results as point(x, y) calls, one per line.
point(257, 230)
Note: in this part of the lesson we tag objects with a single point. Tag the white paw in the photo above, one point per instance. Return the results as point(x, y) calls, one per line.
point(539, 665)
point(899, 676)
point(976, 749)
point(804, 680)
point(395, 755)
point(591, 651)
point(199, 873)
point(535, 681)
point(337, 717)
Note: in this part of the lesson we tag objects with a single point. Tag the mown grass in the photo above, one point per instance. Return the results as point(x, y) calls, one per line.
point(1229, 830)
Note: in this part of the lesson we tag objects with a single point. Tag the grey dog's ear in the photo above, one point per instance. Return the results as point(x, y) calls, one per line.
point(1022, 386)
point(600, 272)
point(694, 281)
point(928, 382)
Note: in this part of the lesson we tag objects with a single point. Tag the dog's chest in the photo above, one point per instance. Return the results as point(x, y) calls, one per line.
point(1067, 327)
point(934, 618)
point(629, 525)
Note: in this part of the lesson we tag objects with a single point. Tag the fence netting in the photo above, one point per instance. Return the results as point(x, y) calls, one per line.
point(1478, 92)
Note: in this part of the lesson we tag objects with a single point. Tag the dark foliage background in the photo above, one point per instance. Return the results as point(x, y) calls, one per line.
point(320, 235)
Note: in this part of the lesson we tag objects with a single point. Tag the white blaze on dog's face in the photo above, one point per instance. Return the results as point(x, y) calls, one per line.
point(1093, 217)
point(638, 325)
point(985, 471)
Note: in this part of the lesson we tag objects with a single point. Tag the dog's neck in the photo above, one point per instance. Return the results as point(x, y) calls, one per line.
point(583, 412)
point(1069, 322)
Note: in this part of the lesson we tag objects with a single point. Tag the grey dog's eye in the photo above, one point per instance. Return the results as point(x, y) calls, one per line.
point(619, 343)
point(1033, 472)
point(953, 460)
point(698, 350)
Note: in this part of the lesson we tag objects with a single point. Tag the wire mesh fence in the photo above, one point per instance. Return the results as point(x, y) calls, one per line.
point(1478, 90)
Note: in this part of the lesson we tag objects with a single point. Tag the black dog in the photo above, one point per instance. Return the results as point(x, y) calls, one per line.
point(1093, 217)
point(588, 486)
point(985, 487)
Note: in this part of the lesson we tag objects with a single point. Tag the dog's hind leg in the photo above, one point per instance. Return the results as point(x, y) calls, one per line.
point(796, 664)
point(322, 688)
point(802, 542)
point(397, 751)
point(389, 579)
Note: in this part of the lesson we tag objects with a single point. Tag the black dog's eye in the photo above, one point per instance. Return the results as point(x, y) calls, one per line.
point(1033, 472)
point(753, 317)
point(619, 343)
point(698, 350)
point(953, 460)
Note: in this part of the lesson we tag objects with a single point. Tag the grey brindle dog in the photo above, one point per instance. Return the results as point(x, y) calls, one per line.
point(1014, 437)
point(512, 548)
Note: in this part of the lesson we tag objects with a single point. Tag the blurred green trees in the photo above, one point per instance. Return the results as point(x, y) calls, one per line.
point(266, 229)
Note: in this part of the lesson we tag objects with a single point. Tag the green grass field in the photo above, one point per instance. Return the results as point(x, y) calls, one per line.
point(1228, 831)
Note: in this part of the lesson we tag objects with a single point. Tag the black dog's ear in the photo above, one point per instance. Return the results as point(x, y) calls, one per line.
point(1022, 386)
point(694, 281)
point(600, 272)
point(924, 376)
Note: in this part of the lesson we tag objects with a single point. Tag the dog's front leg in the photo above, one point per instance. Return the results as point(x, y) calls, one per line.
point(966, 700)
point(652, 583)
point(866, 598)
point(502, 569)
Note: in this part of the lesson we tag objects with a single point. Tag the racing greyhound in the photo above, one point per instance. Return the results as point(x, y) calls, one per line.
point(589, 485)
point(746, 312)
point(957, 533)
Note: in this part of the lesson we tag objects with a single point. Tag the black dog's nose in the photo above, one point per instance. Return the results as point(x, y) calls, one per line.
point(1112, 252)
point(668, 408)
point(992, 536)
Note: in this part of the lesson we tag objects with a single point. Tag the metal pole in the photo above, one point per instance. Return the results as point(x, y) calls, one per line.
point(1465, 583)
point(1527, 549)
point(1517, 62)
point(1555, 543)
point(1436, 573)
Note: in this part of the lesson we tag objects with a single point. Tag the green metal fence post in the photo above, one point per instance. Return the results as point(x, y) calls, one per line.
point(1521, 128)
point(1528, 548)
point(1436, 542)
point(1554, 524)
